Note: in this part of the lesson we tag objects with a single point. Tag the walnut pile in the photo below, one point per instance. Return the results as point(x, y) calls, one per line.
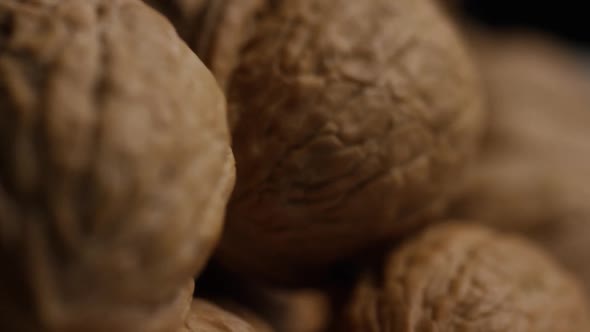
point(208, 317)
point(465, 278)
point(532, 177)
point(348, 131)
point(115, 167)
point(357, 128)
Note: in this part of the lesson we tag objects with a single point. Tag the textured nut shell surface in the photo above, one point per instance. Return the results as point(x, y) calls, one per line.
point(466, 278)
point(115, 165)
point(347, 130)
point(533, 177)
point(207, 317)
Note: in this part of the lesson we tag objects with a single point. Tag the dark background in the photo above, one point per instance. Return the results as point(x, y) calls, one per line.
point(567, 19)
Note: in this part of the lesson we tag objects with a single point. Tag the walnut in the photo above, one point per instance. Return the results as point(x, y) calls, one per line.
point(205, 316)
point(348, 131)
point(467, 278)
point(115, 166)
point(534, 173)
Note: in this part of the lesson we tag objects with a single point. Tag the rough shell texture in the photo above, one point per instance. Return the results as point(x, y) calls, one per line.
point(215, 29)
point(466, 278)
point(115, 166)
point(534, 175)
point(347, 131)
point(207, 317)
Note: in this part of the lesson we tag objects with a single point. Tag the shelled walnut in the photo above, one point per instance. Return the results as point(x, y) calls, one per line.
point(347, 130)
point(467, 278)
point(533, 177)
point(115, 167)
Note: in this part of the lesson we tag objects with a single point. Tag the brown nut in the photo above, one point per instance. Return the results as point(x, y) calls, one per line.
point(348, 131)
point(467, 278)
point(534, 175)
point(207, 317)
point(115, 166)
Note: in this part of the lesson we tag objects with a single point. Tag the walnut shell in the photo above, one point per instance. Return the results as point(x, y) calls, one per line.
point(115, 166)
point(207, 317)
point(467, 278)
point(348, 131)
point(534, 175)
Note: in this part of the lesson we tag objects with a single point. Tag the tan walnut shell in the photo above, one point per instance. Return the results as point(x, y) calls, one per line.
point(467, 278)
point(115, 166)
point(533, 177)
point(348, 130)
point(208, 317)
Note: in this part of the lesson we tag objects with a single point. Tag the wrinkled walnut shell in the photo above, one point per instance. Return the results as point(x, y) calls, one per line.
point(115, 166)
point(207, 317)
point(534, 175)
point(467, 278)
point(348, 131)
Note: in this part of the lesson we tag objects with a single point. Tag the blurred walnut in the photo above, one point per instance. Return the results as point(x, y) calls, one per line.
point(207, 317)
point(348, 130)
point(534, 175)
point(303, 311)
point(115, 166)
point(466, 278)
